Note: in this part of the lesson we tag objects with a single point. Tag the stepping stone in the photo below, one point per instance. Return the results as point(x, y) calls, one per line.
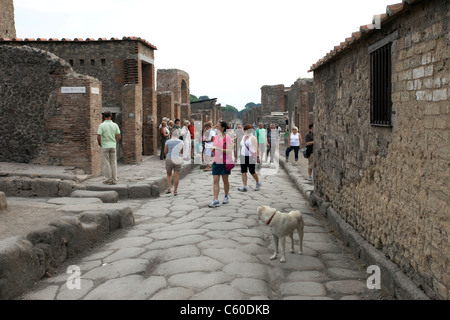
point(105, 196)
point(69, 201)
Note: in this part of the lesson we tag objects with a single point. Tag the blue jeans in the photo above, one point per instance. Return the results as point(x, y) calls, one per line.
point(288, 150)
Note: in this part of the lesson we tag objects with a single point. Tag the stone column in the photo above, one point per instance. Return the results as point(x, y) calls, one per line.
point(132, 123)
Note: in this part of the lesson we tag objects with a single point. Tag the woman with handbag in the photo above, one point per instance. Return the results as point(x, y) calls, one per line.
point(223, 147)
point(249, 157)
point(294, 143)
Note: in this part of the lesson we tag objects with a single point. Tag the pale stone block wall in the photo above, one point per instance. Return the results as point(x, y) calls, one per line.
point(392, 184)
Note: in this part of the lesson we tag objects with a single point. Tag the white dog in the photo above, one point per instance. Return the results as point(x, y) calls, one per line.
point(282, 224)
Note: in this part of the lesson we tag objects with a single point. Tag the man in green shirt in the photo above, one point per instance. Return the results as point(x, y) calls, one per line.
point(261, 135)
point(108, 135)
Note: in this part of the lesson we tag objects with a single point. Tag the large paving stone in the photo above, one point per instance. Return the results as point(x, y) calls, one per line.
point(132, 287)
point(74, 201)
point(117, 269)
point(347, 287)
point(313, 276)
point(248, 270)
point(199, 280)
point(128, 242)
point(176, 234)
point(184, 265)
point(180, 252)
point(227, 255)
point(165, 244)
point(302, 288)
point(252, 286)
point(177, 293)
point(219, 292)
point(224, 226)
point(342, 273)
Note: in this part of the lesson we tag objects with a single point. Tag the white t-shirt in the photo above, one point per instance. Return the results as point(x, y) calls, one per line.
point(295, 140)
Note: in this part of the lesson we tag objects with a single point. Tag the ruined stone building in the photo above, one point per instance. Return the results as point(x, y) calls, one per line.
point(42, 120)
point(206, 110)
point(173, 94)
point(126, 70)
point(7, 24)
point(300, 106)
point(279, 104)
point(382, 137)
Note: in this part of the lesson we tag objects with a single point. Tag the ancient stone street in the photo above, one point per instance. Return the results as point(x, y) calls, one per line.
point(179, 248)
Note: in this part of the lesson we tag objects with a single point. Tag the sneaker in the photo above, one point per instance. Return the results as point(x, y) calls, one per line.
point(226, 199)
point(258, 185)
point(214, 204)
point(243, 189)
point(309, 178)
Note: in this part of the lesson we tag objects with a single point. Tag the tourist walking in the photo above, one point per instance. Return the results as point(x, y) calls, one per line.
point(273, 141)
point(108, 135)
point(294, 143)
point(185, 135)
point(208, 137)
point(173, 149)
point(223, 148)
point(249, 157)
point(310, 151)
point(164, 133)
point(261, 136)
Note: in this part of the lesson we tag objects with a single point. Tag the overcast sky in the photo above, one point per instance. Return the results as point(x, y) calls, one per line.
point(229, 48)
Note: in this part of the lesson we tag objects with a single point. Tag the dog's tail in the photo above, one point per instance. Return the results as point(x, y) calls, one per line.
point(298, 215)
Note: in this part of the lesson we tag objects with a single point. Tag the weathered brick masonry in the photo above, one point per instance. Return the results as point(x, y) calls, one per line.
point(118, 64)
point(392, 183)
point(41, 124)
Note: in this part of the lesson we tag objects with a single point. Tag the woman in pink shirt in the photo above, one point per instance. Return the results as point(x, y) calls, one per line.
point(223, 147)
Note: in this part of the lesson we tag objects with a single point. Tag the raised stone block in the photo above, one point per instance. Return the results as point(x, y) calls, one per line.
point(137, 191)
point(3, 202)
point(106, 196)
point(121, 189)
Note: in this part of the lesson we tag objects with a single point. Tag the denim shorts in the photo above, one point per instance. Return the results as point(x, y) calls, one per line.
point(218, 169)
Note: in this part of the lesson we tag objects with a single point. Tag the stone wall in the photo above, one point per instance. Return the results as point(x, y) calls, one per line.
point(272, 99)
point(116, 63)
point(177, 82)
point(300, 106)
point(7, 24)
point(40, 123)
point(392, 183)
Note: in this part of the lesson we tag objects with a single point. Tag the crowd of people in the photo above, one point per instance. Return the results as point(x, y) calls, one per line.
point(220, 145)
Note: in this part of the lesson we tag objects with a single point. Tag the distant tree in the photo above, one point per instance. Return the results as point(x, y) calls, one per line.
point(201, 98)
point(230, 109)
point(193, 98)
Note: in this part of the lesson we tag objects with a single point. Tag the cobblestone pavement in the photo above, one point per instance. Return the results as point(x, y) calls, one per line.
point(181, 249)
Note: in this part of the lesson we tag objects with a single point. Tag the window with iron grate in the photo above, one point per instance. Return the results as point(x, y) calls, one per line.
point(381, 86)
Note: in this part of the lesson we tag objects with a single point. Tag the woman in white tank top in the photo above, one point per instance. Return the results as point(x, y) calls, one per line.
point(294, 143)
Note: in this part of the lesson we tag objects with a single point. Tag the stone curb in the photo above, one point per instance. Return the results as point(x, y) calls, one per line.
point(36, 186)
point(393, 280)
point(26, 260)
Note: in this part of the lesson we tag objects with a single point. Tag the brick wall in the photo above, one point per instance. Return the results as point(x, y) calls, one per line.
point(115, 63)
point(39, 123)
point(392, 183)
